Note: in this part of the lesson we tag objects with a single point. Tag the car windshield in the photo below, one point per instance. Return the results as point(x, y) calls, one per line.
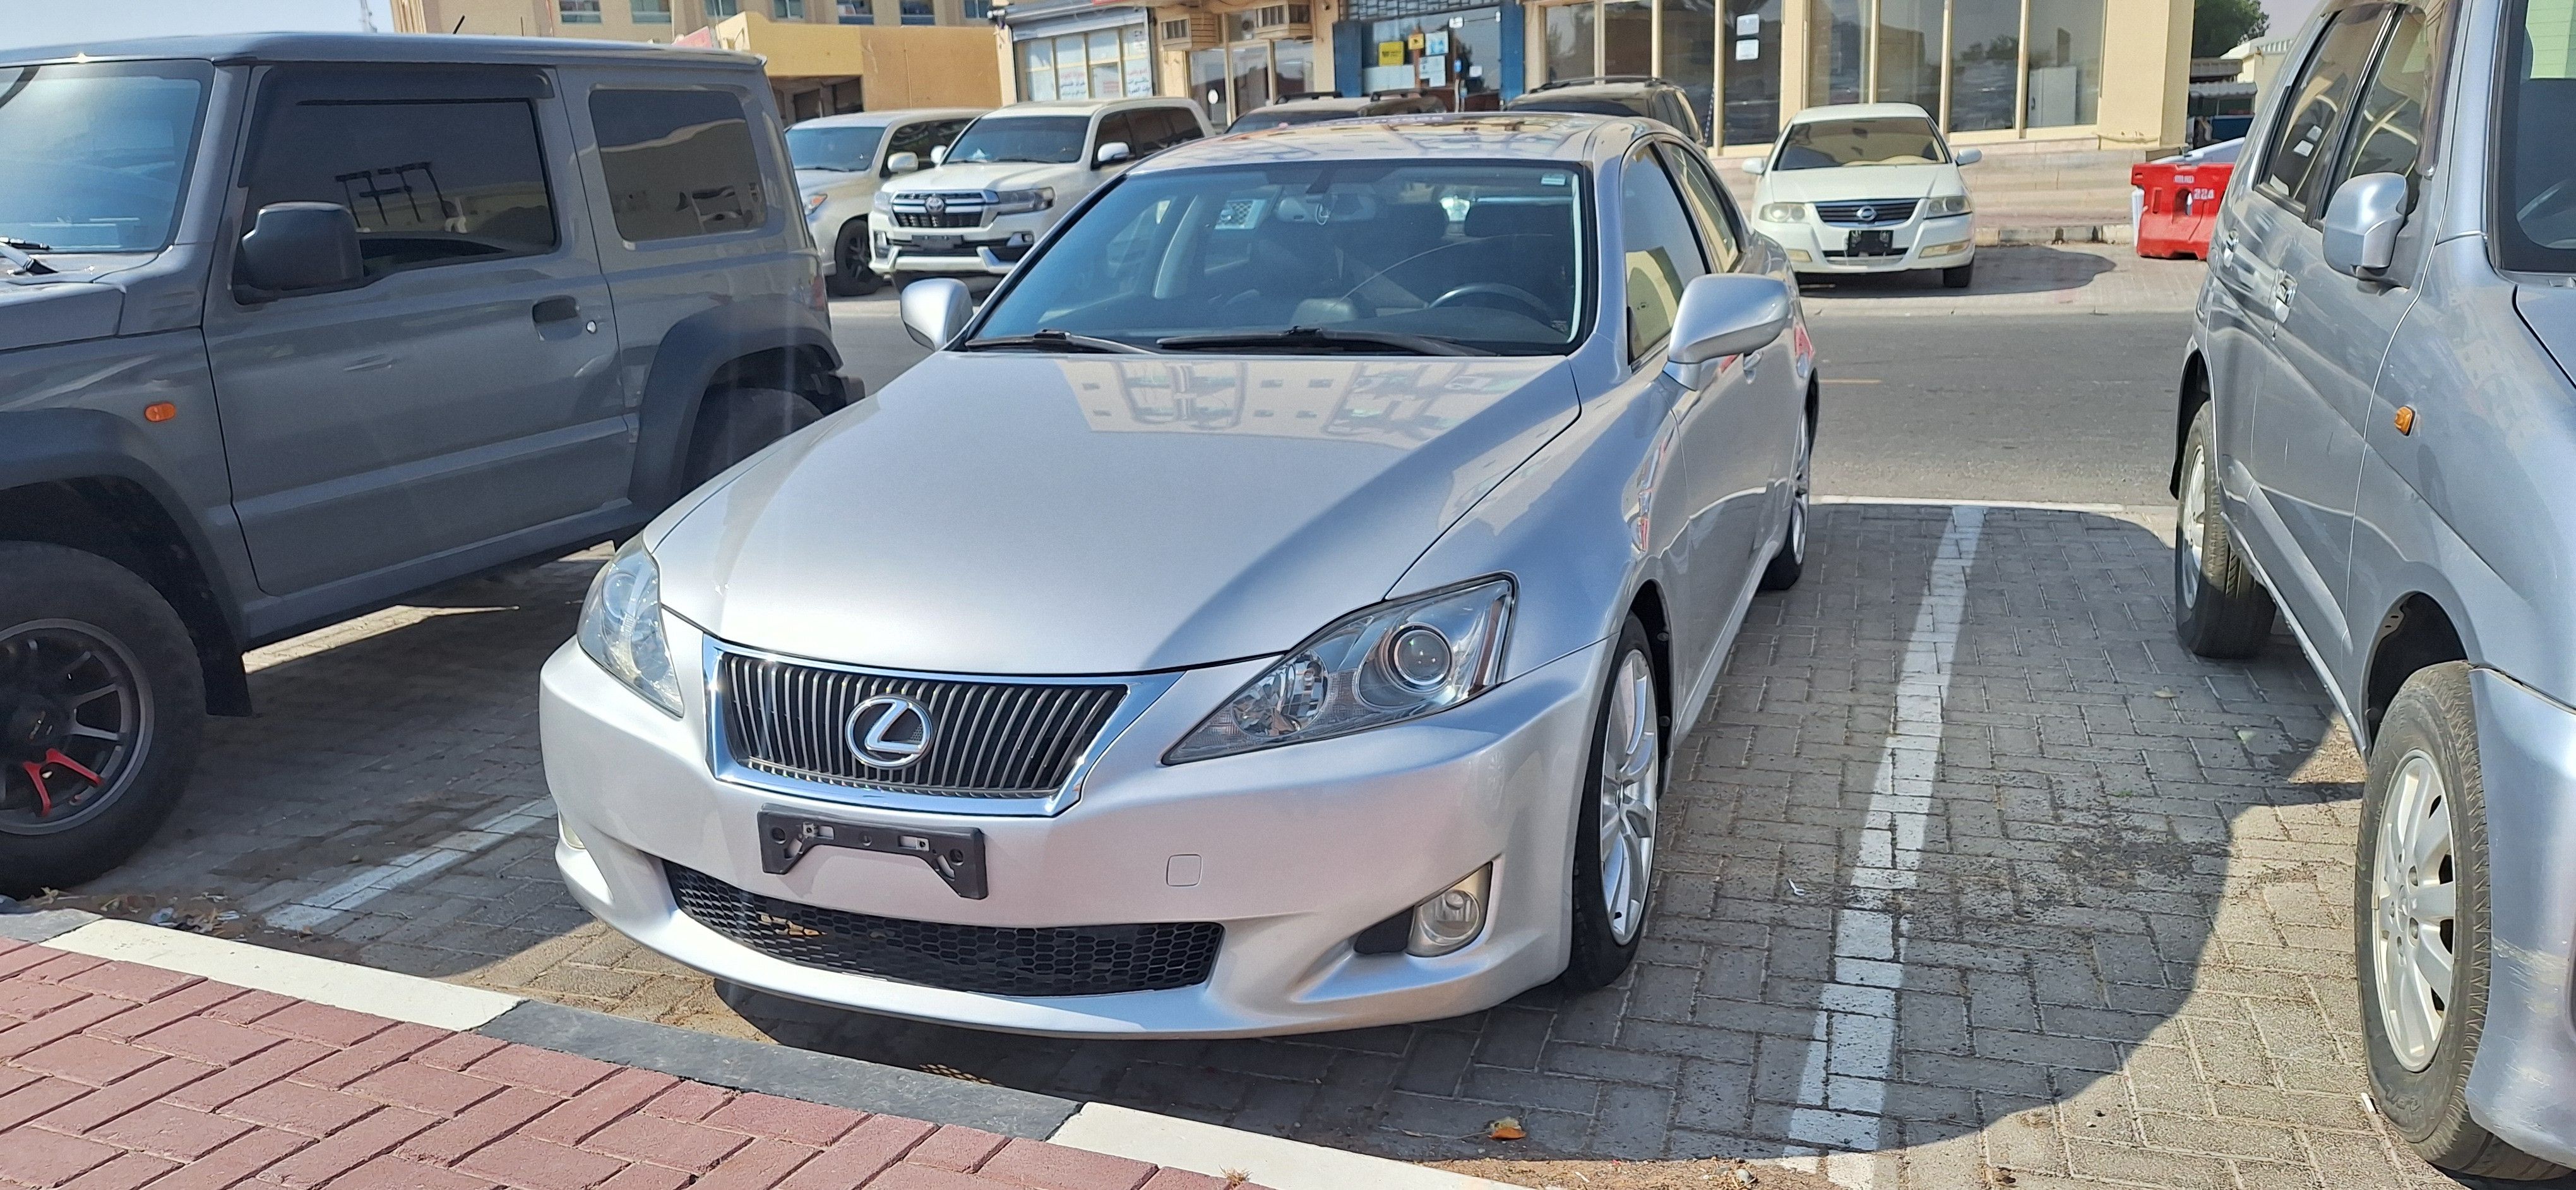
point(846, 148)
point(1478, 257)
point(1256, 121)
point(1056, 139)
point(1878, 140)
point(2535, 158)
point(94, 156)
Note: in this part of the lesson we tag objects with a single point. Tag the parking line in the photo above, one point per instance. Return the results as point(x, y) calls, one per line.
point(308, 911)
point(1842, 1088)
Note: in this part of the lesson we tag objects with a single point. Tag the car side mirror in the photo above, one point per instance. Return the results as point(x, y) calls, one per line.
point(2362, 223)
point(938, 154)
point(1111, 153)
point(295, 247)
point(935, 309)
point(1726, 314)
point(904, 163)
point(1756, 166)
point(1968, 156)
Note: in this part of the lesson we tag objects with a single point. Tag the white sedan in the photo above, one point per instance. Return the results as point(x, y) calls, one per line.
point(1867, 188)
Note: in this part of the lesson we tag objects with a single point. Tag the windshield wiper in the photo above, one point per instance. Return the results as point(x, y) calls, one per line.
point(1053, 340)
point(15, 251)
point(1302, 337)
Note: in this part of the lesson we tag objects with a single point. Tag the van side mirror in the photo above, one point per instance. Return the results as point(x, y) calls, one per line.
point(1726, 314)
point(1968, 156)
point(1755, 166)
point(904, 163)
point(2362, 223)
point(1111, 153)
point(298, 246)
point(935, 309)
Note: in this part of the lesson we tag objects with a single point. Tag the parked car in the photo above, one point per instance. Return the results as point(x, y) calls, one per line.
point(1868, 188)
point(2373, 438)
point(1272, 611)
point(294, 325)
point(840, 162)
point(1010, 176)
point(1616, 95)
point(1309, 109)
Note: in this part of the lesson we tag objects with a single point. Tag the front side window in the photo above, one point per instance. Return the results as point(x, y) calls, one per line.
point(843, 149)
point(431, 182)
point(1489, 256)
point(1658, 252)
point(1878, 140)
point(678, 163)
point(2388, 136)
point(577, 12)
point(94, 156)
point(1053, 139)
point(2313, 110)
point(2535, 170)
point(1708, 204)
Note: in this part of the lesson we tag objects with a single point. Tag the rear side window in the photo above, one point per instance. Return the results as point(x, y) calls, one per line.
point(678, 163)
point(1716, 216)
point(1181, 128)
point(1658, 251)
point(430, 182)
point(2295, 161)
point(1121, 128)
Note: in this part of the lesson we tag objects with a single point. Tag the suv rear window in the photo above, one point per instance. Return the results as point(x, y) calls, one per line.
point(678, 163)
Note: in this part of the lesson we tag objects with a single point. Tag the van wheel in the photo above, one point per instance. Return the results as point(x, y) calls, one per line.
point(1614, 836)
point(2421, 925)
point(1959, 278)
point(851, 276)
point(736, 423)
point(2219, 610)
point(1791, 560)
point(102, 705)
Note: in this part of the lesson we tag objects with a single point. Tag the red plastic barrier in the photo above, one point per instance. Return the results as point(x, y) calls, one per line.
point(2181, 206)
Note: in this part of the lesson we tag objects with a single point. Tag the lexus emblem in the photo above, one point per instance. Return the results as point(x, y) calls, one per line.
point(934, 204)
point(888, 731)
point(1866, 214)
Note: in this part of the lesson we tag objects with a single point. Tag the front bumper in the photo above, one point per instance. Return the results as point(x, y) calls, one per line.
point(1945, 242)
point(1296, 850)
point(2522, 1085)
point(991, 250)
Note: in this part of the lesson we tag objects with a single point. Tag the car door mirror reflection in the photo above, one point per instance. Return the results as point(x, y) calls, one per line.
point(1968, 156)
point(935, 309)
point(2362, 223)
point(1726, 314)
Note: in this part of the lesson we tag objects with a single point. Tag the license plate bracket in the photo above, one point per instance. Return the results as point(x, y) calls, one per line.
point(957, 856)
point(1870, 243)
point(937, 243)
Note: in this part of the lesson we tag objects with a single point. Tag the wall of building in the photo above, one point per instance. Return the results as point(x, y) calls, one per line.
point(543, 18)
point(897, 66)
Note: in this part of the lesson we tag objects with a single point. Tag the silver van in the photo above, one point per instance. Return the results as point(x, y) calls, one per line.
point(2374, 408)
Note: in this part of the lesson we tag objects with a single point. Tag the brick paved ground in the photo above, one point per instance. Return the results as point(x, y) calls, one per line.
point(2120, 948)
point(116, 1076)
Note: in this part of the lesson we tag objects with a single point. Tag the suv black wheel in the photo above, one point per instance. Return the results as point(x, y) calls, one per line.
point(851, 276)
point(101, 709)
point(2219, 610)
point(2421, 924)
point(1614, 836)
point(737, 422)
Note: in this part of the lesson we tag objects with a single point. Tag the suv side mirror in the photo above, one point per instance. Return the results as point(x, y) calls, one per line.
point(1111, 153)
point(1756, 166)
point(2362, 223)
point(1968, 156)
point(935, 309)
point(938, 154)
point(1725, 314)
point(298, 246)
point(904, 163)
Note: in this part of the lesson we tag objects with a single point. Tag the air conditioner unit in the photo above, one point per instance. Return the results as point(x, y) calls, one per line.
point(1183, 29)
point(1284, 20)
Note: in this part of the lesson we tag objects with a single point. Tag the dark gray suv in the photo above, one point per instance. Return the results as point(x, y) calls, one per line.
point(293, 325)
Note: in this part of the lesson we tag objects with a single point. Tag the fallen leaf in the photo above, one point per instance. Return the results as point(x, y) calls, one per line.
point(1507, 1128)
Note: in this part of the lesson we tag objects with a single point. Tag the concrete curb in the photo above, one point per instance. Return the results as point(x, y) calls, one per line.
point(789, 1073)
point(2068, 233)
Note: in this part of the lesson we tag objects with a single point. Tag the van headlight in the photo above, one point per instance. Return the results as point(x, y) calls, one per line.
point(1396, 661)
point(1021, 202)
point(621, 627)
point(1941, 205)
point(1783, 212)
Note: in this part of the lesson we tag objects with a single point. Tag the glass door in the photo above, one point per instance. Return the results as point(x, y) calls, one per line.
point(1251, 75)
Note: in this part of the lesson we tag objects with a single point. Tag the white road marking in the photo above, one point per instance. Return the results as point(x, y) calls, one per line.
point(323, 981)
point(304, 911)
point(1843, 1086)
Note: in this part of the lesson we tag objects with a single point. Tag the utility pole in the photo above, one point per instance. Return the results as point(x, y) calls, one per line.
point(366, 16)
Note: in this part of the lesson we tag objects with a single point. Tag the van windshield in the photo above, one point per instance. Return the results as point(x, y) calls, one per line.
point(94, 155)
point(1879, 140)
point(2535, 158)
point(1053, 139)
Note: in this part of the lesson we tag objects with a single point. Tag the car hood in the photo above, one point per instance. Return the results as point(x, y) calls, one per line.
point(829, 181)
point(35, 311)
point(2550, 312)
point(1019, 514)
point(1853, 182)
point(987, 175)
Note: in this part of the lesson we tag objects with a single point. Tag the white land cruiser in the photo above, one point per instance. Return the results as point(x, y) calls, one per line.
point(840, 162)
point(1010, 176)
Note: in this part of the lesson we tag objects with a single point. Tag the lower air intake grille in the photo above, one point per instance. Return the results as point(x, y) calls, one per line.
point(1057, 961)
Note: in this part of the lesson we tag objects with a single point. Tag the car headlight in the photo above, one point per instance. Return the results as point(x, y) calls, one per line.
point(1021, 202)
point(882, 203)
point(621, 627)
point(1385, 664)
point(1783, 212)
point(814, 202)
point(1946, 204)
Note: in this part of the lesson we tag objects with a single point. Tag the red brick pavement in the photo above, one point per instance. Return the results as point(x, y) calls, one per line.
point(118, 1076)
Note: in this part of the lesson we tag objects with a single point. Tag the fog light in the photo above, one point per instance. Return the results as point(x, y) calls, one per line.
point(1020, 239)
point(880, 240)
point(1950, 249)
point(1799, 256)
point(1452, 919)
point(570, 837)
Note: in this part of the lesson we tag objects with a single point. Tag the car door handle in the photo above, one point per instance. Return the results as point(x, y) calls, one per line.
point(1752, 363)
point(554, 309)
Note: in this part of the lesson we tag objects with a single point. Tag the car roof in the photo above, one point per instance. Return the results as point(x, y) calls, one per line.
point(1570, 137)
point(249, 48)
point(1858, 111)
point(1085, 107)
point(1328, 103)
point(873, 119)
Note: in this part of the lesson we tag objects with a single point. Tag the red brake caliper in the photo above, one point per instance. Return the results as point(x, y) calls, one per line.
point(36, 774)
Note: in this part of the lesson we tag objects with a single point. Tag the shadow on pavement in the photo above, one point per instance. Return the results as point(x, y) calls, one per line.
point(2018, 268)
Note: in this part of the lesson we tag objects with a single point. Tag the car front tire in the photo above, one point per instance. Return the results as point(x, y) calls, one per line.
point(1959, 277)
point(2421, 925)
point(2219, 608)
point(1614, 840)
point(851, 276)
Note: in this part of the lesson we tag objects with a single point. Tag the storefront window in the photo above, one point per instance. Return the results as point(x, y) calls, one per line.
point(1251, 70)
point(1835, 52)
point(1107, 79)
point(1690, 53)
point(1294, 61)
point(1207, 85)
point(2065, 62)
point(1628, 37)
point(1752, 72)
point(1985, 51)
point(1909, 54)
point(1569, 42)
point(1037, 69)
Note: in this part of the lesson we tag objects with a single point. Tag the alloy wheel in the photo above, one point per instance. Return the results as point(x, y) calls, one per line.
point(75, 713)
point(1631, 765)
point(1806, 484)
point(2192, 525)
point(2414, 894)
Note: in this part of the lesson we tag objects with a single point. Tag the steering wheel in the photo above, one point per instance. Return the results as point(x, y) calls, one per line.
point(1511, 294)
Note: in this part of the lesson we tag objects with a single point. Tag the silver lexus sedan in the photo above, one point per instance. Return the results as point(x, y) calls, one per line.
point(1272, 611)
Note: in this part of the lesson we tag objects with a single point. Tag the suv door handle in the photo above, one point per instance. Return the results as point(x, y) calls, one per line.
point(554, 309)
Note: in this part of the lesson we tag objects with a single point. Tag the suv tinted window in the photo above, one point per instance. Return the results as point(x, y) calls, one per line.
point(1176, 126)
point(1716, 214)
point(2295, 159)
point(678, 163)
point(1121, 127)
point(1657, 249)
point(431, 182)
point(920, 137)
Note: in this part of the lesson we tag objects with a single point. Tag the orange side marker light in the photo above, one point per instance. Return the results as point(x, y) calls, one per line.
point(2405, 419)
point(160, 411)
